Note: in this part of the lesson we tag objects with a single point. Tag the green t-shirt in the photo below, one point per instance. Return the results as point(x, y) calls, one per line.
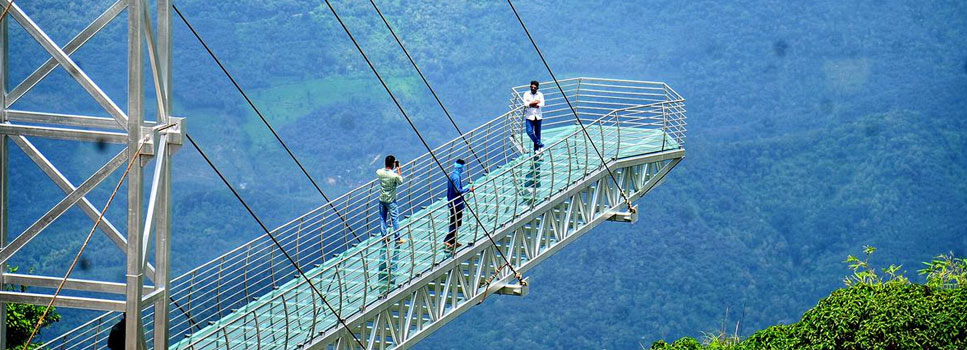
point(388, 181)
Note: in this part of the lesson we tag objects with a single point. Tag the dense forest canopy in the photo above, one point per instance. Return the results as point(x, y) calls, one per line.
point(815, 128)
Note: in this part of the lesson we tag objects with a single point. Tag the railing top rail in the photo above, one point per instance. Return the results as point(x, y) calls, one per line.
point(646, 105)
point(582, 79)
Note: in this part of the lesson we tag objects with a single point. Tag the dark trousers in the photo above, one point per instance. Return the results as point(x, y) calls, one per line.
point(456, 219)
point(534, 132)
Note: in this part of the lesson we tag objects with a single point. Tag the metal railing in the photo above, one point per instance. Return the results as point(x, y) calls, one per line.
point(593, 98)
point(344, 246)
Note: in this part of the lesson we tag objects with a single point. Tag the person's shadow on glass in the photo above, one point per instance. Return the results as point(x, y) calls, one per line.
point(388, 276)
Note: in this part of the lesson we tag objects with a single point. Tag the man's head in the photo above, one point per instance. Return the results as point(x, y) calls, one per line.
point(459, 164)
point(390, 161)
point(534, 85)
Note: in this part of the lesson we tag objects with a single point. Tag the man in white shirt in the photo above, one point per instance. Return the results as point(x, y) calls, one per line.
point(533, 102)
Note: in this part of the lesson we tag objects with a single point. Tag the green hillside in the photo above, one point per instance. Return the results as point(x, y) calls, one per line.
point(879, 309)
point(814, 129)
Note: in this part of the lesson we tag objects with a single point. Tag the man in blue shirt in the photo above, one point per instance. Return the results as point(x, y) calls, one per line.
point(455, 191)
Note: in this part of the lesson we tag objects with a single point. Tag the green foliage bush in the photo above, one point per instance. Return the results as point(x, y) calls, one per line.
point(22, 318)
point(871, 313)
point(894, 315)
point(773, 338)
point(681, 344)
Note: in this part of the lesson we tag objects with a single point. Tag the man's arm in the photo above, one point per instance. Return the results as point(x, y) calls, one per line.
point(464, 189)
point(457, 183)
point(540, 99)
point(529, 99)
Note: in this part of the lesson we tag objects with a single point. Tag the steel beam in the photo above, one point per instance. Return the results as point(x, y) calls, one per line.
point(161, 92)
point(134, 333)
point(4, 171)
point(162, 220)
point(62, 301)
point(79, 40)
point(61, 207)
point(163, 44)
point(162, 247)
point(153, 198)
point(62, 119)
point(64, 60)
point(72, 283)
point(628, 216)
point(65, 185)
point(514, 289)
point(63, 133)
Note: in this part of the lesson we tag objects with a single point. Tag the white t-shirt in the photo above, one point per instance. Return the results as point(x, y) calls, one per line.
point(533, 113)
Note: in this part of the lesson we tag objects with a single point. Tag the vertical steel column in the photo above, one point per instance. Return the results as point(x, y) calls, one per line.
point(577, 97)
point(163, 219)
point(163, 41)
point(135, 273)
point(4, 173)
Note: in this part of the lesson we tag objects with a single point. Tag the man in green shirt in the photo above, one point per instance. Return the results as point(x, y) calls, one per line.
point(390, 177)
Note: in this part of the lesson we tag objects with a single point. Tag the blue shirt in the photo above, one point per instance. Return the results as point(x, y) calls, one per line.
point(455, 189)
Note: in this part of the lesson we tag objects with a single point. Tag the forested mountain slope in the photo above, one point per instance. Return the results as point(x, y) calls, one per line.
point(815, 128)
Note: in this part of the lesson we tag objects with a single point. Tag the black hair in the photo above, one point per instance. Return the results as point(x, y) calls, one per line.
point(461, 162)
point(535, 82)
point(390, 161)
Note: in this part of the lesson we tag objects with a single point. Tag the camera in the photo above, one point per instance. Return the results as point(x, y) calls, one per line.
point(397, 164)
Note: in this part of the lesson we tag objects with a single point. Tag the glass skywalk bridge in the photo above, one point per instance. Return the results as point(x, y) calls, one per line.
point(392, 295)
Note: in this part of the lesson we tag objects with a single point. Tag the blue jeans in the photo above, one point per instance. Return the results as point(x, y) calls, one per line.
point(534, 131)
point(391, 210)
point(456, 220)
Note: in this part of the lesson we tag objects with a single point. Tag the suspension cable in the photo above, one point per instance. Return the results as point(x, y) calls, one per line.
point(60, 286)
point(266, 122)
point(476, 218)
point(274, 240)
point(573, 111)
point(427, 83)
point(5, 10)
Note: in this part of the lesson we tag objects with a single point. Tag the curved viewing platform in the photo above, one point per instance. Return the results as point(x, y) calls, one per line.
point(392, 294)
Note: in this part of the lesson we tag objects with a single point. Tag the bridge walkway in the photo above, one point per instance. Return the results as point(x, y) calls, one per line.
point(392, 295)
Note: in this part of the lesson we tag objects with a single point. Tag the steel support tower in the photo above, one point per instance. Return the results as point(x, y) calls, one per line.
point(145, 289)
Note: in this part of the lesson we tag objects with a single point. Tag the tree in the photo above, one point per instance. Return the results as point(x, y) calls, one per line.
point(22, 318)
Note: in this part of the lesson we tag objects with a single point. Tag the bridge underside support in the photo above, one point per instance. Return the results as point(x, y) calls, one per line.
point(628, 216)
point(427, 303)
point(516, 289)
